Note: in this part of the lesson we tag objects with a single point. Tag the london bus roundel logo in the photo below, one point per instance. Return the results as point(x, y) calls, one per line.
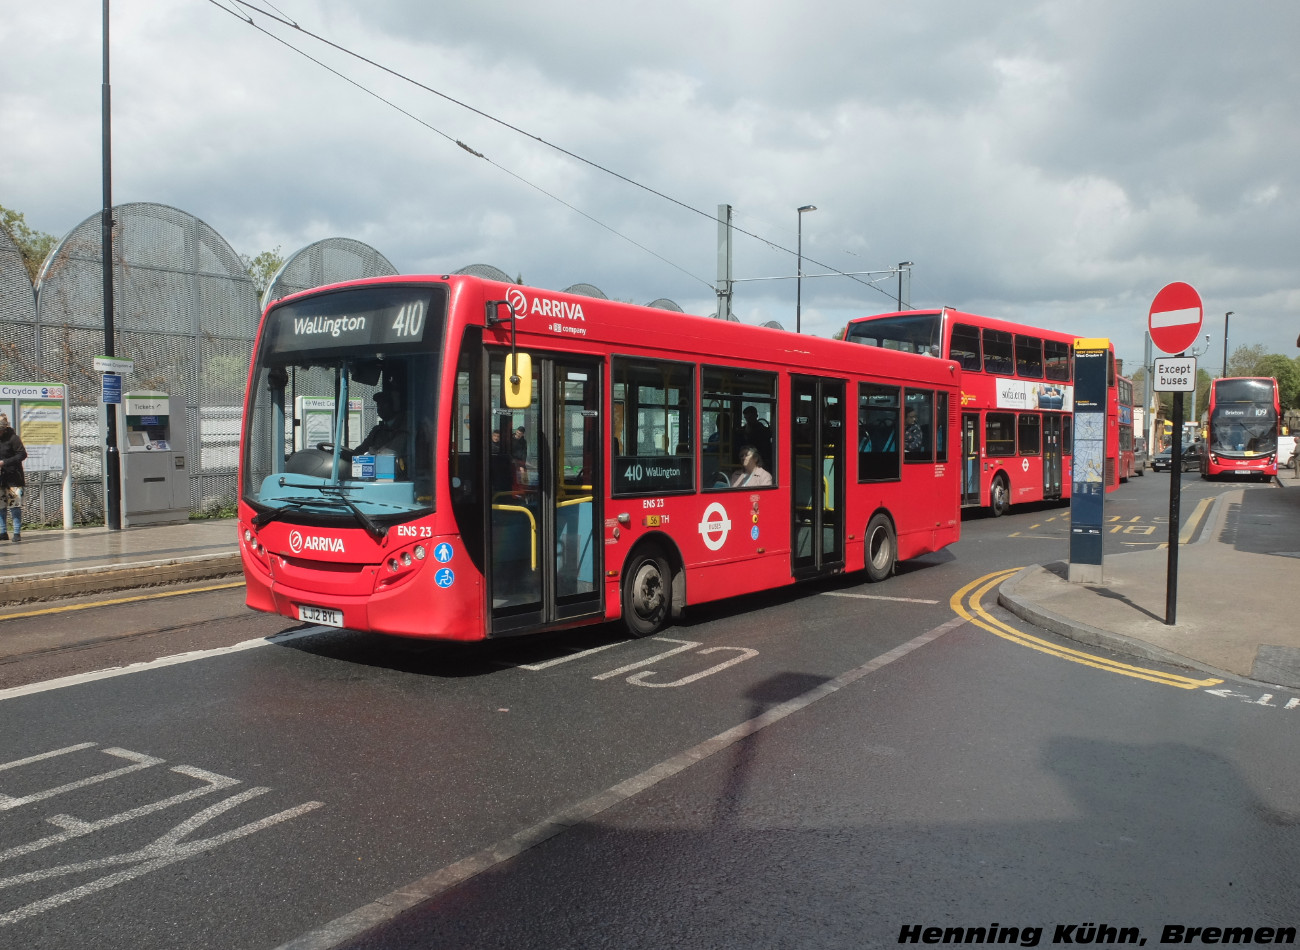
point(295, 541)
point(715, 526)
point(519, 302)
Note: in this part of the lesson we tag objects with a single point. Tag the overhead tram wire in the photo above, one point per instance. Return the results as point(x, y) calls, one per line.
point(283, 20)
point(450, 138)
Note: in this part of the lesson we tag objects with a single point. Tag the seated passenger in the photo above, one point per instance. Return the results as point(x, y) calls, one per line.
point(751, 473)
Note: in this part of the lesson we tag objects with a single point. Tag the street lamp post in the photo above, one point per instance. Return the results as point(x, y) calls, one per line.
point(798, 283)
point(1225, 341)
point(901, 265)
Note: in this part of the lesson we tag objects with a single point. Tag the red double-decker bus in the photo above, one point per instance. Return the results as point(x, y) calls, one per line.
point(1242, 423)
point(1017, 400)
point(543, 460)
point(1125, 467)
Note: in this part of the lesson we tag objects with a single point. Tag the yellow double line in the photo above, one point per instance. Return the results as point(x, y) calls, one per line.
point(136, 598)
point(972, 594)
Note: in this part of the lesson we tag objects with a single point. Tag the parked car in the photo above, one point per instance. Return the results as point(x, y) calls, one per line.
point(1139, 457)
point(1163, 460)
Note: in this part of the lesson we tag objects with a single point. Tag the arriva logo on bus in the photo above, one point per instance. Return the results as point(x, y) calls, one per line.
point(298, 543)
point(543, 306)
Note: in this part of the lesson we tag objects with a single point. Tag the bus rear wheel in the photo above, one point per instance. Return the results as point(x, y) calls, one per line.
point(999, 496)
point(647, 593)
point(882, 548)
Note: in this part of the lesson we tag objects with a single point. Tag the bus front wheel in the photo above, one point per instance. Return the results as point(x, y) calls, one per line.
point(999, 496)
point(647, 593)
point(882, 548)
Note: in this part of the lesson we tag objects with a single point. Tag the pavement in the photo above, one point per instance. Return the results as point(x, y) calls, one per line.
point(1234, 611)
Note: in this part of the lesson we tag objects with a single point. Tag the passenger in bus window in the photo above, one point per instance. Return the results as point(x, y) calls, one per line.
point(913, 434)
point(721, 433)
point(756, 432)
point(751, 473)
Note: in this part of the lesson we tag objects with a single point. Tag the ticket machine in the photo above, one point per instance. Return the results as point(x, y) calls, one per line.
point(155, 473)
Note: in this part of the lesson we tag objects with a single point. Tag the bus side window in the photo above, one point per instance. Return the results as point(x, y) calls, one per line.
point(878, 443)
point(1000, 434)
point(965, 347)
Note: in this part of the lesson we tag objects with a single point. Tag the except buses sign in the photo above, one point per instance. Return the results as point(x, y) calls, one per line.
point(1175, 317)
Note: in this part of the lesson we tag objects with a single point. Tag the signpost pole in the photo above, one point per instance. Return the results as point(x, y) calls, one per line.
point(1174, 321)
point(1175, 498)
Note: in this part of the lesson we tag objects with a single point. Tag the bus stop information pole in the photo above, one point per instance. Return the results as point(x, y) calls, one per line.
point(1174, 322)
point(1088, 469)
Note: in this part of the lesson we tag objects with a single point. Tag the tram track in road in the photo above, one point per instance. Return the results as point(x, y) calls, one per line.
point(967, 604)
point(113, 601)
point(55, 639)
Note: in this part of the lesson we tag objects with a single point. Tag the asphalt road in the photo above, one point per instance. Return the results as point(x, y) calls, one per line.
point(817, 767)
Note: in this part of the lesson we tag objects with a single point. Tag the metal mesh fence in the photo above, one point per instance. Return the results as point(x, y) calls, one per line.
point(327, 262)
point(186, 314)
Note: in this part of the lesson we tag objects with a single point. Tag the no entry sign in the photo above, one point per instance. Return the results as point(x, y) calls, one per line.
point(1175, 317)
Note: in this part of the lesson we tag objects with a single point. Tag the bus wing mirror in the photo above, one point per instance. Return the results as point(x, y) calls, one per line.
point(518, 382)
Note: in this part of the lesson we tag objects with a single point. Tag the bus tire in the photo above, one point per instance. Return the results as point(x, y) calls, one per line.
point(999, 496)
point(647, 592)
point(881, 548)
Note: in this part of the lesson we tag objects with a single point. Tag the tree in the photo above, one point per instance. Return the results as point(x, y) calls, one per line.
point(34, 246)
point(1287, 374)
point(262, 268)
point(1244, 359)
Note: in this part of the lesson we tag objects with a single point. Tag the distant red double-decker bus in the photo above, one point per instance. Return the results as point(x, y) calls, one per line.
point(457, 458)
point(1017, 400)
point(1124, 459)
point(1242, 423)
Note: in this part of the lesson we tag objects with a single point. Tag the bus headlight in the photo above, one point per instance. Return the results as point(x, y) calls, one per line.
point(419, 552)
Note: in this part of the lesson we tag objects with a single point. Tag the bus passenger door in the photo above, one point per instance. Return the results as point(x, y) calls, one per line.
point(1051, 455)
point(970, 458)
point(543, 543)
point(816, 445)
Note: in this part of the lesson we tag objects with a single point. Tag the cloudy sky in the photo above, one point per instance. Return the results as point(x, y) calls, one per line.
point(1054, 162)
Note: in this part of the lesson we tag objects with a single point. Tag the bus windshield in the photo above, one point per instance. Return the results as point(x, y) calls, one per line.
point(339, 427)
point(910, 333)
point(1243, 427)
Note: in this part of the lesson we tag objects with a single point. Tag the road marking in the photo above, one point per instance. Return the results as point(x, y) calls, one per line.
point(45, 611)
point(77, 679)
point(977, 615)
point(391, 906)
point(563, 659)
point(1193, 521)
point(897, 600)
point(164, 850)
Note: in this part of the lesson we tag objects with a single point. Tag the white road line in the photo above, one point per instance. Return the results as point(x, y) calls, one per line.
point(563, 659)
point(392, 905)
point(899, 600)
point(76, 680)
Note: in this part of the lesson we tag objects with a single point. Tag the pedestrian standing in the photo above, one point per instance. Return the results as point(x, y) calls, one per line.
point(12, 454)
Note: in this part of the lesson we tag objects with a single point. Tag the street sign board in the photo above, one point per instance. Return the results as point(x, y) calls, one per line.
point(1175, 317)
point(1175, 374)
point(111, 393)
point(113, 364)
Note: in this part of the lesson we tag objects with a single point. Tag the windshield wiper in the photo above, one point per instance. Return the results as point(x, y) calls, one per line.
point(266, 517)
point(335, 498)
point(376, 531)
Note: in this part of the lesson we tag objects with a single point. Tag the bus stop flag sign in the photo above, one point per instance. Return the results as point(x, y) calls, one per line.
point(1175, 318)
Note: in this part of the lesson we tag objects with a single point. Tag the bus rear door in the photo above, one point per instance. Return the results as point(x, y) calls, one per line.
point(817, 462)
point(544, 550)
